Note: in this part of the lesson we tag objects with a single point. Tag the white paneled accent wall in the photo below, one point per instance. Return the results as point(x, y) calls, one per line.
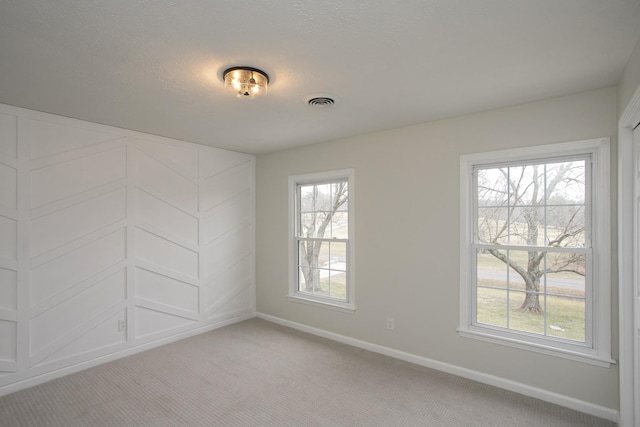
point(112, 241)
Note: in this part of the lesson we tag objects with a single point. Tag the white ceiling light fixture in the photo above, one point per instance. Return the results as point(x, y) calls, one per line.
point(246, 82)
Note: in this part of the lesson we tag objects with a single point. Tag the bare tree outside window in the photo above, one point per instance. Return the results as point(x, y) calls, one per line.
point(322, 238)
point(531, 219)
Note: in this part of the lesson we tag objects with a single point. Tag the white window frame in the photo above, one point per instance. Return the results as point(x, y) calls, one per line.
point(294, 295)
point(597, 350)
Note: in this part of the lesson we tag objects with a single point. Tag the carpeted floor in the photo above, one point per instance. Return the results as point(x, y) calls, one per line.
point(255, 373)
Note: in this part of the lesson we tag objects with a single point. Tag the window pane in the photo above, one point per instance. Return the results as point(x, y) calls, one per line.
point(307, 200)
point(340, 225)
point(491, 272)
point(566, 274)
point(306, 256)
point(339, 196)
point(492, 225)
point(322, 251)
point(566, 183)
point(338, 285)
point(516, 281)
point(566, 226)
point(493, 187)
point(313, 281)
point(526, 226)
point(309, 280)
point(323, 197)
point(309, 260)
point(517, 261)
point(566, 318)
point(315, 225)
point(491, 307)
point(323, 288)
point(308, 225)
point(524, 262)
point(338, 256)
point(526, 185)
point(337, 278)
point(522, 319)
point(324, 229)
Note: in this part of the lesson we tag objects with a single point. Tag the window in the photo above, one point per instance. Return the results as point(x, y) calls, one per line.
point(321, 241)
point(535, 249)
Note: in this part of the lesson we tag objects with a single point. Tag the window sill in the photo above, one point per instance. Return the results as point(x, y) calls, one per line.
point(522, 344)
point(344, 308)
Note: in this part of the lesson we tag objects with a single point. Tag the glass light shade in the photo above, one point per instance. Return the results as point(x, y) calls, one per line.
point(246, 82)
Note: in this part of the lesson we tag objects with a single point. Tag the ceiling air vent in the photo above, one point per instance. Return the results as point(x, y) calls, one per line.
point(321, 102)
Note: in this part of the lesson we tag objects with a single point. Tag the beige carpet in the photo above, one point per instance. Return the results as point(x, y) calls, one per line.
point(256, 373)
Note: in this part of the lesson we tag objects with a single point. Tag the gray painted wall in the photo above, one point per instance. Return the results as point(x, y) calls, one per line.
point(630, 80)
point(406, 227)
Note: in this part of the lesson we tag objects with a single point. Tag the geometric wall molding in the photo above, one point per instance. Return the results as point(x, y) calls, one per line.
point(111, 240)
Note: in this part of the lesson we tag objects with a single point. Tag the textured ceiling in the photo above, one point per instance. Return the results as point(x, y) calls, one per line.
point(155, 65)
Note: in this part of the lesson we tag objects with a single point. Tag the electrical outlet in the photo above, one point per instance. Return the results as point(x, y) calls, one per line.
point(122, 325)
point(390, 323)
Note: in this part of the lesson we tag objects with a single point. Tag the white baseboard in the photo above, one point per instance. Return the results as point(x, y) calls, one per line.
point(538, 393)
point(57, 373)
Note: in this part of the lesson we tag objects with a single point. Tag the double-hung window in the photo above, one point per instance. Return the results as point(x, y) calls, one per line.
point(535, 249)
point(321, 239)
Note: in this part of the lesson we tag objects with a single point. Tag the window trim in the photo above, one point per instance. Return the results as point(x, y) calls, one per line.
point(294, 295)
point(599, 352)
